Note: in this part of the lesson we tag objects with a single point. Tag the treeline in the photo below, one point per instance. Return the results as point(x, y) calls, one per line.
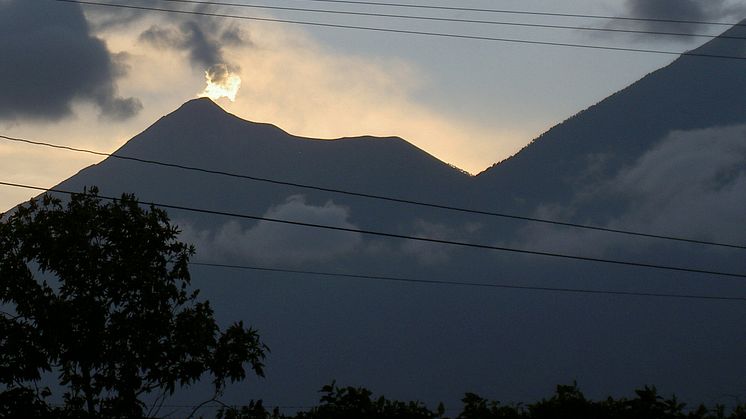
point(568, 402)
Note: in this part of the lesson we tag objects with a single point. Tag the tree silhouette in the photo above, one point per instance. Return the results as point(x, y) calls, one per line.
point(96, 293)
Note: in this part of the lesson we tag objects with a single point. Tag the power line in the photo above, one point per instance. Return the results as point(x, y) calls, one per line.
point(468, 284)
point(377, 197)
point(453, 20)
point(409, 32)
point(530, 13)
point(406, 237)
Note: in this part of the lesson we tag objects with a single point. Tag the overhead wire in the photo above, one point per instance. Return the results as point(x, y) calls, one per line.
point(453, 20)
point(468, 283)
point(409, 32)
point(528, 13)
point(423, 281)
point(504, 249)
point(374, 196)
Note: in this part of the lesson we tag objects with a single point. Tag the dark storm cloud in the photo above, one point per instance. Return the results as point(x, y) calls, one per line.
point(50, 60)
point(273, 243)
point(676, 9)
point(203, 40)
point(233, 36)
point(164, 37)
point(689, 10)
point(203, 48)
point(101, 19)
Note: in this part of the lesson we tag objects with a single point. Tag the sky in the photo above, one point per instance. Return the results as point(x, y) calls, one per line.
point(93, 77)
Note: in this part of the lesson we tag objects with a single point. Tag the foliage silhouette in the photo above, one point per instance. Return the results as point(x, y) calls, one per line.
point(475, 407)
point(346, 402)
point(341, 403)
point(254, 410)
point(568, 402)
point(97, 294)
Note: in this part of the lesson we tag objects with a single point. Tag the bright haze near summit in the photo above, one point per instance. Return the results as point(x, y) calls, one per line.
point(93, 76)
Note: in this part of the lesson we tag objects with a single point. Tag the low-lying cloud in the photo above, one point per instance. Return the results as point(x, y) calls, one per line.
point(692, 184)
point(275, 243)
point(50, 60)
point(430, 254)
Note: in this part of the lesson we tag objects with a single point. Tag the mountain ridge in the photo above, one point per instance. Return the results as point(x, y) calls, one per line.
point(202, 115)
point(203, 109)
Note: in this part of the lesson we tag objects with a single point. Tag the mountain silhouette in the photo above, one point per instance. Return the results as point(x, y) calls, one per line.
point(202, 134)
point(666, 155)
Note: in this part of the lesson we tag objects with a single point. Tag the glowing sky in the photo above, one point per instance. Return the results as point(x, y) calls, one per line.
point(469, 103)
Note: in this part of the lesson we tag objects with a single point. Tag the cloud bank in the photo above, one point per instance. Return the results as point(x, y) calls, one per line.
point(431, 254)
point(50, 59)
point(692, 184)
point(273, 243)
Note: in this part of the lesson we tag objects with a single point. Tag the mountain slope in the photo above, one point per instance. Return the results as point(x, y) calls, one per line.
point(690, 93)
